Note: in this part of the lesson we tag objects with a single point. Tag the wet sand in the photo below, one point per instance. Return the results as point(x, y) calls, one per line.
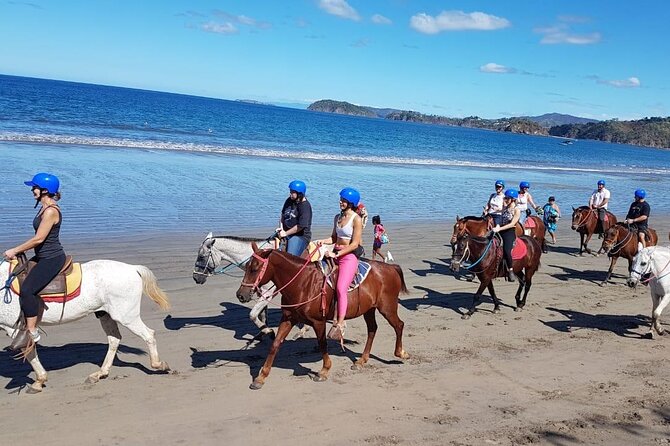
point(572, 368)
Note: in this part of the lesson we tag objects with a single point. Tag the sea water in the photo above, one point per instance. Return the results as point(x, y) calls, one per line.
point(133, 161)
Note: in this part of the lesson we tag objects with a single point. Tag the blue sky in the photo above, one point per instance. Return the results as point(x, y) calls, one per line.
point(599, 59)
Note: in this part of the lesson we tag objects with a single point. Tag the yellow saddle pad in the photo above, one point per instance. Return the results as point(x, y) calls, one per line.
point(72, 285)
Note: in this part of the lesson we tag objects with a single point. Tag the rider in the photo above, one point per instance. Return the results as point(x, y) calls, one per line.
point(295, 222)
point(347, 231)
point(494, 206)
point(49, 253)
point(638, 215)
point(510, 217)
point(599, 201)
point(525, 198)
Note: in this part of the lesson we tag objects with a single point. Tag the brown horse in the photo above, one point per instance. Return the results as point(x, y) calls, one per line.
point(585, 221)
point(484, 258)
point(480, 226)
point(621, 241)
point(306, 298)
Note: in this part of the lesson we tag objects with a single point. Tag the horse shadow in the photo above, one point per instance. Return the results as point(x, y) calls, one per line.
point(621, 325)
point(588, 275)
point(63, 357)
point(290, 357)
point(234, 317)
point(569, 250)
point(458, 302)
point(441, 267)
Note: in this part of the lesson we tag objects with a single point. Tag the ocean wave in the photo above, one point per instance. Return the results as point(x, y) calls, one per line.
point(300, 154)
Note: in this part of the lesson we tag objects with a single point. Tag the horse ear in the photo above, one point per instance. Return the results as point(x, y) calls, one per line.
point(254, 246)
point(573, 209)
point(457, 217)
point(210, 235)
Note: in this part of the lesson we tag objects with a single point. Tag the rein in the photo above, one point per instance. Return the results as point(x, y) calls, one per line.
point(240, 265)
point(583, 221)
point(7, 298)
point(657, 276)
point(621, 244)
point(467, 250)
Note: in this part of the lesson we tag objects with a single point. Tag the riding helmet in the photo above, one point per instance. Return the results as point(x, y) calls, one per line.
point(525, 184)
point(640, 193)
point(298, 186)
point(351, 195)
point(601, 182)
point(512, 193)
point(500, 183)
point(45, 181)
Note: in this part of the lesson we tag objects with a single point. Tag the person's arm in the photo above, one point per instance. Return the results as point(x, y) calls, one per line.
point(531, 201)
point(50, 217)
point(605, 201)
point(591, 200)
point(558, 209)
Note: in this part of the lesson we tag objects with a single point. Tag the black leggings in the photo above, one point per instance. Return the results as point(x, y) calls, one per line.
point(38, 278)
point(508, 237)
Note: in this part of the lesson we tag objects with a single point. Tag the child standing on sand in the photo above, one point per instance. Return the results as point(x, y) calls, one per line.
point(551, 215)
point(380, 237)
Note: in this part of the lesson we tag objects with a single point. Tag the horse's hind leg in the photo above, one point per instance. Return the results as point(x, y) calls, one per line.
point(496, 301)
point(284, 328)
point(113, 339)
point(390, 313)
point(371, 322)
point(528, 283)
point(146, 333)
point(656, 315)
point(482, 285)
point(522, 283)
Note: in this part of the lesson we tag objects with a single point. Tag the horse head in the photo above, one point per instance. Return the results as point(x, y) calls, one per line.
point(579, 216)
point(610, 238)
point(460, 252)
point(459, 229)
point(256, 274)
point(207, 260)
point(641, 265)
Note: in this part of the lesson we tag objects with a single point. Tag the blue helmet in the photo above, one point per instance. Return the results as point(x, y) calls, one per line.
point(500, 183)
point(44, 181)
point(298, 186)
point(350, 195)
point(512, 193)
point(601, 182)
point(525, 184)
point(640, 193)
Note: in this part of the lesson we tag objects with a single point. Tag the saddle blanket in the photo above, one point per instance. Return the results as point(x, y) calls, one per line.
point(520, 249)
point(363, 270)
point(530, 223)
point(72, 285)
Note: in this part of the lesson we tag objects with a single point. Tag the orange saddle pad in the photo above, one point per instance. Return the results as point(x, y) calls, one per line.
point(520, 249)
point(72, 285)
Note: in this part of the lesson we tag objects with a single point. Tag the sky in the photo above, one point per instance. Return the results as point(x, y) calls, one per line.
point(597, 59)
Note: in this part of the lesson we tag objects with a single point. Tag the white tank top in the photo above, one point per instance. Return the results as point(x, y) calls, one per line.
point(347, 231)
point(522, 202)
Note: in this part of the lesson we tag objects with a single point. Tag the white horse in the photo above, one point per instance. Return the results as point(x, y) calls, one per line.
point(653, 261)
point(237, 251)
point(107, 286)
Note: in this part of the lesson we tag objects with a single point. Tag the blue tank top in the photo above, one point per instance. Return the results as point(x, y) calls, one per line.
point(51, 246)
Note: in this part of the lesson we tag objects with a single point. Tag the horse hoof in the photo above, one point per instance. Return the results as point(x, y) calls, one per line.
point(603, 283)
point(256, 385)
point(91, 380)
point(319, 378)
point(517, 309)
point(466, 316)
point(403, 355)
point(649, 335)
point(162, 367)
point(496, 310)
point(32, 390)
point(356, 366)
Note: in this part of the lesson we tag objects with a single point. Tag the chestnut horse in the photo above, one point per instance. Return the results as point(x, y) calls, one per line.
point(479, 226)
point(585, 221)
point(621, 241)
point(306, 298)
point(484, 257)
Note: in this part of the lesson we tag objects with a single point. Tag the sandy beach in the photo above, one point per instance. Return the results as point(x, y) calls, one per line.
point(572, 368)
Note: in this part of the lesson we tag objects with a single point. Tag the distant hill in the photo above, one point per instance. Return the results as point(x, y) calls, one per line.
point(553, 119)
point(651, 132)
point(341, 108)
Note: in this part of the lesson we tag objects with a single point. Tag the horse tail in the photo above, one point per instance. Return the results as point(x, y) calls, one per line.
point(403, 287)
point(150, 287)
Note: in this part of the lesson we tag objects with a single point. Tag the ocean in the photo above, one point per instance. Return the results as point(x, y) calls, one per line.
point(133, 161)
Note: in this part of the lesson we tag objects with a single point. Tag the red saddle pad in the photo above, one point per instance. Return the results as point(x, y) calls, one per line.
point(520, 249)
point(530, 223)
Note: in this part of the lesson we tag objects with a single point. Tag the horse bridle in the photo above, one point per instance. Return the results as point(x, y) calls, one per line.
point(467, 250)
point(264, 262)
point(583, 222)
point(621, 244)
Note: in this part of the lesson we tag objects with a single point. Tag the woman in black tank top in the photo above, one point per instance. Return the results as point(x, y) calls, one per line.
point(510, 217)
point(49, 253)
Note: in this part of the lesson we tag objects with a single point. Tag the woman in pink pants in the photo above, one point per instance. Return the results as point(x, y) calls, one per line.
point(347, 230)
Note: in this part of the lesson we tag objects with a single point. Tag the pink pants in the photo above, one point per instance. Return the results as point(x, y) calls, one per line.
point(348, 264)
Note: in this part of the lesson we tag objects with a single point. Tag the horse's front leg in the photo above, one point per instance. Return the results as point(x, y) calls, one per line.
point(284, 328)
point(320, 330)
point(259, 316)
point(40, 372)
point(586, 243)
point(496, 301)
point(581, 243)
point(613, 260)
point(111, 328)
point(656, 315)
point(483, 284)
point(522, 283)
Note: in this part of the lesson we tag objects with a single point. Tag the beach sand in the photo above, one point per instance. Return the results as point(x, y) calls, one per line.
point(571, 368)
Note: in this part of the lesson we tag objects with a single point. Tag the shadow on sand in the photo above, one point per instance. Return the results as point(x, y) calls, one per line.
point(621, 325)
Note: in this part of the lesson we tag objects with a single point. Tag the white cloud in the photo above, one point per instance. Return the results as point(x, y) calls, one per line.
point(219, 28)
point(495, 68)
point(631, 82)
point(381, 20)
point(242, 19)
point(457, 21)
point(563, 33)
point(339, 8)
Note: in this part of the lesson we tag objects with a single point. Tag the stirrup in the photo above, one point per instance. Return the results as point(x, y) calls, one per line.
point(511, 277)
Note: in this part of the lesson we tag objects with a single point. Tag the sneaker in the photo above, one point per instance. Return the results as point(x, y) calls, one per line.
point(35, 336)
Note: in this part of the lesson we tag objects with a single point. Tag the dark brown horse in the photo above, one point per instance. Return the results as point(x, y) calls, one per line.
point(306, 299)
point(585, 221)
point(621, 241)
point(484, 257)
point(480, 226)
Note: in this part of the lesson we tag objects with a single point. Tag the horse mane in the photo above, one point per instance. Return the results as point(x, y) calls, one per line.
point(472, 218)
point(241, 239)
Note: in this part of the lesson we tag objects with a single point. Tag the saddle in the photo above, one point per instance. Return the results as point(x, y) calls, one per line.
point(64, 287)
point(519, 251)
point(329, 268)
